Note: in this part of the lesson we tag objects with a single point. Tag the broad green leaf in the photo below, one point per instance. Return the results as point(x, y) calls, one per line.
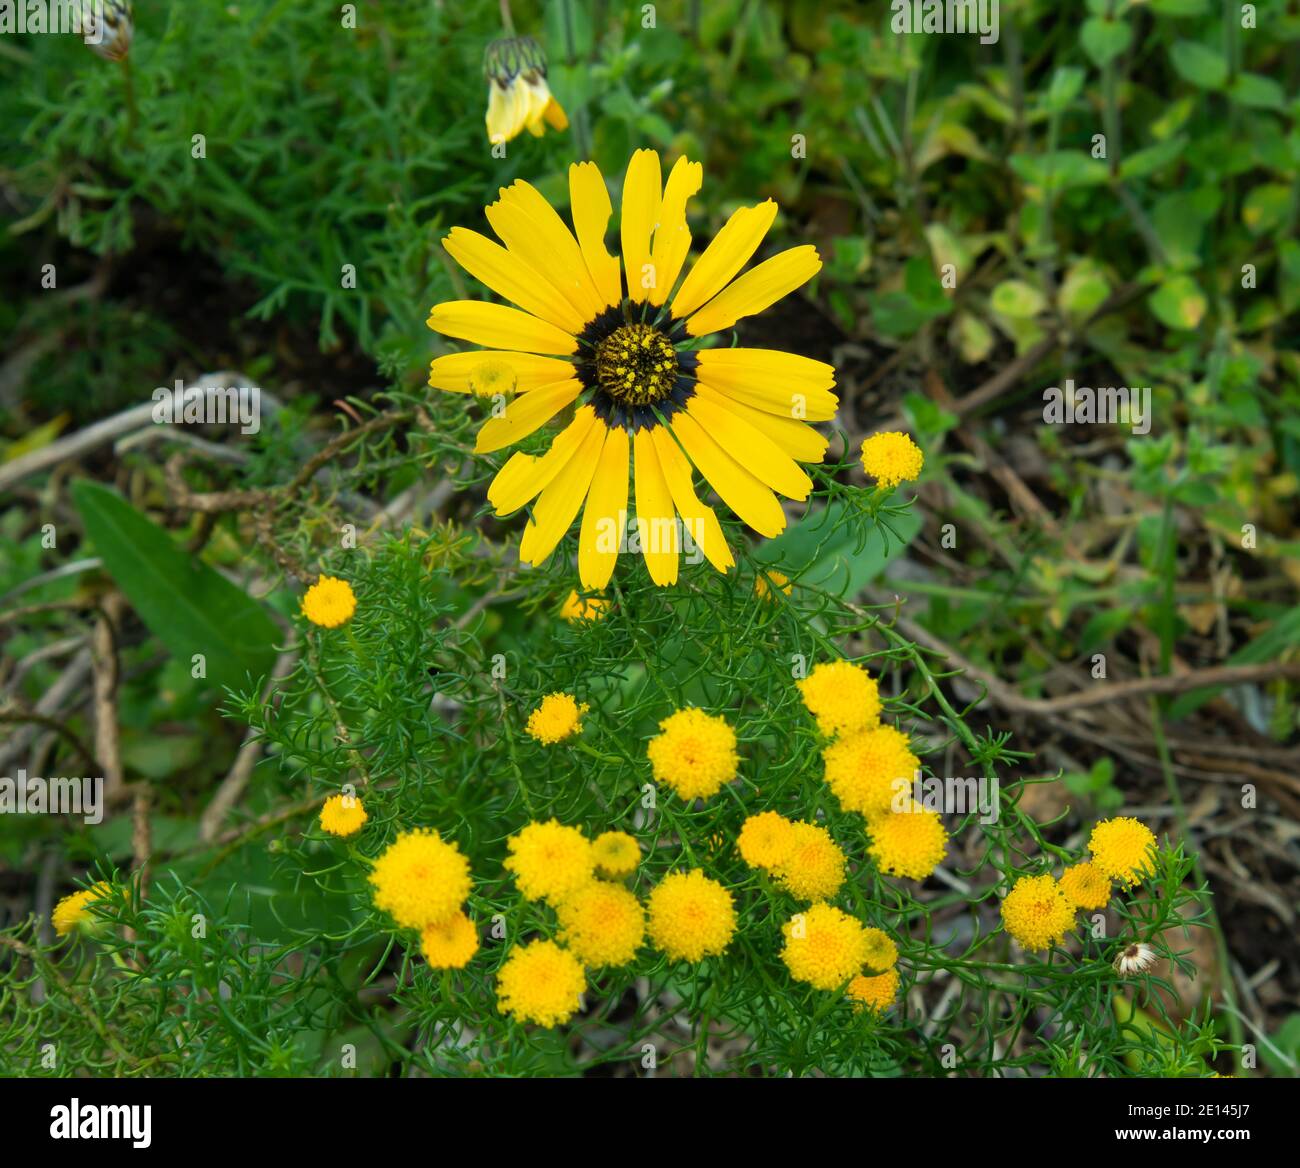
point(1059, 170)
point(1199, 65)
point(1267, 208)
point(1153, 159)
point(1178, 303)
point(1104, 40)
point(1257, 92)
point(822, 550)
point(183, 602)
point(1017, 298)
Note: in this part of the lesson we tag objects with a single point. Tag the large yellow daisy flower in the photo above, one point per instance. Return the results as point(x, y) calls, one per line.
point(618, 340)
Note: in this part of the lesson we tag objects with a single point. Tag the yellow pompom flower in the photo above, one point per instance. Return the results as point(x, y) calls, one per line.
point(768, 582)
point(1036, 912)
point(576, 610)
point(691, 916)
point(892, 458)
point(766, 840)
point(540, 982)
point(882, 953)
point(451, 943)
point(842, 697)
point(329, 602)
point(617, 853)
point(342, 815)
point(814, 867)
point(550, 860)
point(908, 843)
point(557, 718)
point(695, 754)
point(1121, 848)
point(874, 993)
point(608, 346)
point(824, 946)
point(73, 911)
point(867, 770)
point(602, 923)
point(1086, 886)
point(420, 879)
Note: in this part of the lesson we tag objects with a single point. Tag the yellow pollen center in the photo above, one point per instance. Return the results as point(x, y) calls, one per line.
point(636, 365)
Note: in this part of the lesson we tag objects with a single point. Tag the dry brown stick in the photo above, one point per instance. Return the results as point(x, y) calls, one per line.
point(1025, 501)
point(104, 681)
point(232, 786)
point(1112, 691)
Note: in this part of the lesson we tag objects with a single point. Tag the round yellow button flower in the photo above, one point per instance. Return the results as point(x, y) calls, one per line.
point(864, 770)
point(73, 911)
point(768, 582)
point(766, 840)
point(1086, 886)
point(695, 754)
point(342, 815)
point(451, 943)
point(557, 718)
point(882, 953)
point(1121, 848)
point(602, 923)
point(892, 458)
point(908, 843)
point(691, 916)
point(814, 868)
point(842, 697)
point(1036, 912)
point(329, 602)
point(420, 879)
point(575, 609)
point(617, 853)
point(824, 946)
point(542, 983)
point(550, 860)
point(874, 993)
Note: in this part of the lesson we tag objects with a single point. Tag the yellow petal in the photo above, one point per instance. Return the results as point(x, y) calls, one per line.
point(748, 446)
point(539, 97)
point(799, 441)
point(524, 476)
point(604, 519)
point(642, 196)
point(498, 113)
point(673, 237)
point(758, 288)
point(498, 327)
point(452, 371)
point(784, 384)
point(555, 116)
point(525, 414)
point(724, 257)
point(701, 523)
point(509, 276)
point(528, 225)
point(589, 199)
point(750, 499)
point(561, 498)
point(656, 519)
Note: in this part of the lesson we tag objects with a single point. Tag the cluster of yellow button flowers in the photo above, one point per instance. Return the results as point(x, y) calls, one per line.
point(422, 881)
point(600, 923)
point(824, 946)
point(870, 767)
point(1040, 911)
